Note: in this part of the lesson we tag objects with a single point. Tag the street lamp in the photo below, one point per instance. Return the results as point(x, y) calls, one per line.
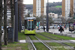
point(47, 18)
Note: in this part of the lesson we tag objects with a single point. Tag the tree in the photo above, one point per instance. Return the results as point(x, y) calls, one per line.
point(37, 19)
point(63, 20)
point(28, 15)
point(0, 22)
point(20, 14)
point(42, 19)
point(5, 22)
point(12, 12)
point(10, 5)
point(50, 20)
point(71, 19)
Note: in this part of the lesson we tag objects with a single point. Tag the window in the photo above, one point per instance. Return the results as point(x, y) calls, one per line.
point(30, 25)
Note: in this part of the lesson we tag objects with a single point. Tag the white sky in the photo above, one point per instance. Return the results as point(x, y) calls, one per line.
point(31, 1)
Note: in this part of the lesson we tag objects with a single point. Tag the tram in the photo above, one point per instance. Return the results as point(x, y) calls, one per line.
point(30, 25)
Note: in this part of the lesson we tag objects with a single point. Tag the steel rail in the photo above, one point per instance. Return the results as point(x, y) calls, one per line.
point(32, 43)
point(43, 43)
point(54, 39)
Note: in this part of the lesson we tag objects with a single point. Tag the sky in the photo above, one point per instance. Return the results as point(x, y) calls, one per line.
point(31, 1)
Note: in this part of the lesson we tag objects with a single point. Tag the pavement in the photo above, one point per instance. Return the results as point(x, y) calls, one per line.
point(57, 41)
point(22, 41)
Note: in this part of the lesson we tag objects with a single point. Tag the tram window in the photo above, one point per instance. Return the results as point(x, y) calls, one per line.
point(30, 24)
point(34, 24)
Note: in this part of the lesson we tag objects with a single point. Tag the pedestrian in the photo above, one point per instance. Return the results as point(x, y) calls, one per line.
point(61, 29)
point(44, 29)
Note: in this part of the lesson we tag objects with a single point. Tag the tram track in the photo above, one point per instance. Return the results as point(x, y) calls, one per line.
point(47, 37)
point(33, 45)
point(43, 43)
point(64, 44)
point(51, 37)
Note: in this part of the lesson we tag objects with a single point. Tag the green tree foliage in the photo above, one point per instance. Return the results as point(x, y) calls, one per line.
point(71, 19)
point(37, 19)
point(42, 19)
point(28, 15)
point(50, 21)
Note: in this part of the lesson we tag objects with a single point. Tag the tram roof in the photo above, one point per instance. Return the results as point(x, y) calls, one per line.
point(30, 18)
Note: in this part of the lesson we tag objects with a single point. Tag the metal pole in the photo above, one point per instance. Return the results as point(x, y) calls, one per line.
point(47, 18)
point(19, 19)
point(16, 20)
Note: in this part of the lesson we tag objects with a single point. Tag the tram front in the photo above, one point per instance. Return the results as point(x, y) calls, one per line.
point(30, 25)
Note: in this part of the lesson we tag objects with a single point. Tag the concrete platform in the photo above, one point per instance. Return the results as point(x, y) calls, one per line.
point(22, 41)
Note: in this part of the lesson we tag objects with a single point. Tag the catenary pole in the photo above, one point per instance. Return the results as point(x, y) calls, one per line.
point(47, 18)
point(16, 20)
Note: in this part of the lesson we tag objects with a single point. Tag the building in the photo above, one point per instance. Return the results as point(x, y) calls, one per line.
point(39, 8)
point(74, 7)
point(67, 8)
point(57, 20)
point(53, 15)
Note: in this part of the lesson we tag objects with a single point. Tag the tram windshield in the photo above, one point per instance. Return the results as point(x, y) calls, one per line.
point(30, 25)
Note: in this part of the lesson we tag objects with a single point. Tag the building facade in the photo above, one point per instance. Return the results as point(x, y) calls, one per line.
point(53, 15)
point(39, 8)
point(67, 8)
point(74, 5)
